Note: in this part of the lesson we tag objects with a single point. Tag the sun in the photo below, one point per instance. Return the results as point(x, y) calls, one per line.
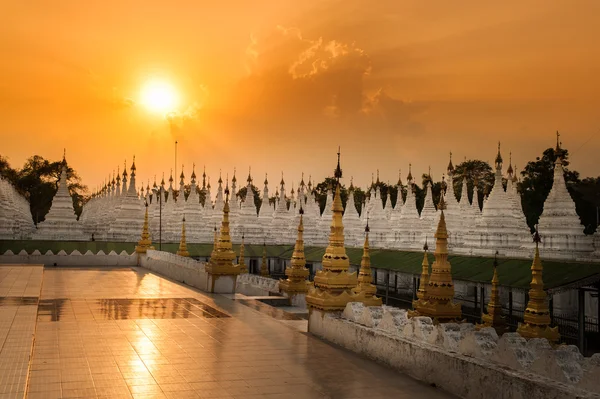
point(159, 96)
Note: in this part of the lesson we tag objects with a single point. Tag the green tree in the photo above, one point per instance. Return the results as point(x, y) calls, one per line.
point(257, 200)
point(587, 202)
point(38, 181)
point(321, 192)
point(359, 198)
point(474, 170)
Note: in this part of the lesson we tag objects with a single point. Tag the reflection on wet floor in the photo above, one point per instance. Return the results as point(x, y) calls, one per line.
point(64, 309)
point(18, 301)
point(128, 333)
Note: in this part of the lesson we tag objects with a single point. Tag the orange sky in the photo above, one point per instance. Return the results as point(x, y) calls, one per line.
point(278, 85)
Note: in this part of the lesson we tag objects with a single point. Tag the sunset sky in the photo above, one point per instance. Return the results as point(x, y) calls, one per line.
point(278, 85)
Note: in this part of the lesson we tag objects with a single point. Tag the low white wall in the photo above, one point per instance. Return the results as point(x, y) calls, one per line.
point(254, 285)
point(75, 258)
point(175, 267)
point(468, 363)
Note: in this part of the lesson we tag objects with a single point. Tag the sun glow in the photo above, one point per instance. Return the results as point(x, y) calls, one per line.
point(159, 96)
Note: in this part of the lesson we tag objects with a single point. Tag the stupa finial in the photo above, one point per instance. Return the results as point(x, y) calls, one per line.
point(450, 166)
point(338, 170)
point(498, 158)
point(410, 176)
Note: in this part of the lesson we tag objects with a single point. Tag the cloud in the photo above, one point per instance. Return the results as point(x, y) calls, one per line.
point(118, 100)
point(295, 80)
point(396, 114)
point(180, 119)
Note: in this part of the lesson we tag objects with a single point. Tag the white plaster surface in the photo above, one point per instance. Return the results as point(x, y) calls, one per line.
point(420, 354)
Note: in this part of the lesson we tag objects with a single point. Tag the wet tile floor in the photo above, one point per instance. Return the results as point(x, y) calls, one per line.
point(128, 333)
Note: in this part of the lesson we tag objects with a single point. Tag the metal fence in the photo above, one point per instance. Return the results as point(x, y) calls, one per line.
point(473, 308)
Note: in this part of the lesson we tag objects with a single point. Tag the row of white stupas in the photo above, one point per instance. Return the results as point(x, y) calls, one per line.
point(116, 214)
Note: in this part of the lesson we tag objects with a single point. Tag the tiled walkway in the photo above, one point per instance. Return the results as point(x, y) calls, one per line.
point(126, 333)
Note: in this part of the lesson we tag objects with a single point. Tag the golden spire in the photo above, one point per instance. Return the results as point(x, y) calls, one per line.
point(410, 176)
point(264, 267)
point(493, 317)
point(424, 281)
point(145, 242)
point(222, 256)
point(182, 245)
point(536, 319)
point(296, 273)
point(450, 166)
point(399, 178)
point(509, 171)
point(333, 284)
point(440, 303)
point(241, 261)
point(365, 291)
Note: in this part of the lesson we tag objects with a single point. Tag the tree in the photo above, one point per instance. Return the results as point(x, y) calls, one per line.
point(257, 200)
point(38, 182)
point(537, 181)
point(322, 188)
point(359, 198)
point(8, 173)
point(587, 202)
point(474, 170)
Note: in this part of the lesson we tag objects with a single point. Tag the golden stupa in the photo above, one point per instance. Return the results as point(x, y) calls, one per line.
point(297, 273)
point(365, 291)
point(333, 285)
point(182, 251)
point(494, 318)
point(222, 257)
point(440, 305)
point(423, 282)
point(145, 242)
point(536, 319)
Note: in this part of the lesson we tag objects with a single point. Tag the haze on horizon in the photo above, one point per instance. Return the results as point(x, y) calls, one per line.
point(279, 85)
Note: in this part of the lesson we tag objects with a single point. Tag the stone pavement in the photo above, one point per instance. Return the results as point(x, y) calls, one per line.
point(128, 333)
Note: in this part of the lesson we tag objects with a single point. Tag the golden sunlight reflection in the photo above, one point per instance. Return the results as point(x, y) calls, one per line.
point(159, 96)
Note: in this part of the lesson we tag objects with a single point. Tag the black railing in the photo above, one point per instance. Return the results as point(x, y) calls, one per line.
point(568, 324)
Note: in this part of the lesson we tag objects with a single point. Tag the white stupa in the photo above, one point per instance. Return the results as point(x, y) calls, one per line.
point(501, 227)
point(130, 218)
point(265, 214)
point(15, 213)
point(559, 224)
point(410, 228)
point(194, 214)
point(278, 232)
point(353, 226)
point(247, 223)
point(61, 222)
